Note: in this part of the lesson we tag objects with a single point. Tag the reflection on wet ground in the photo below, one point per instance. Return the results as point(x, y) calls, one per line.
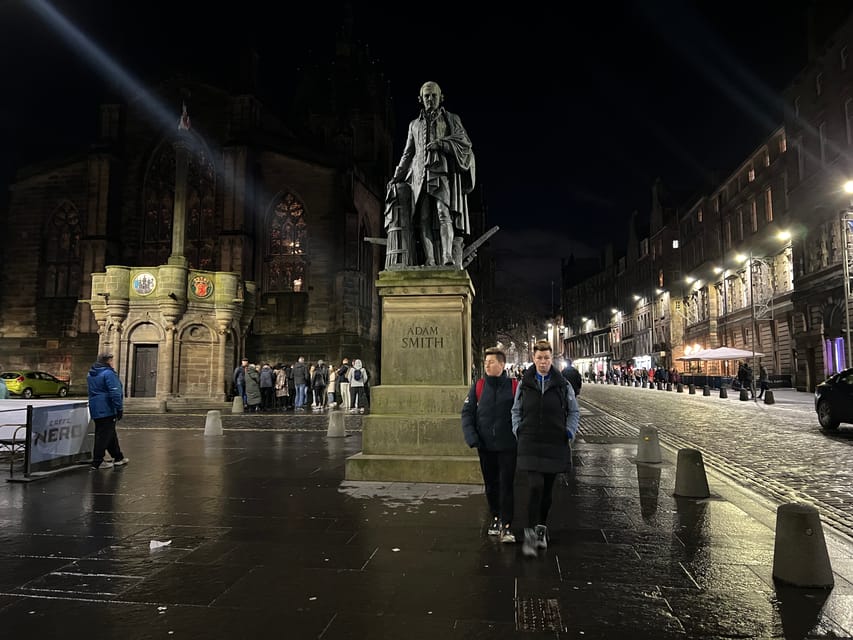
point(266, 540)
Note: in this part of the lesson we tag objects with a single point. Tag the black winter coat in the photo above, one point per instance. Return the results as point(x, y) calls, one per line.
point(487, 424)
point(543, 441)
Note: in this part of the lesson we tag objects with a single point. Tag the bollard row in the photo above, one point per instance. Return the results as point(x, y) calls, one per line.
point(800, 556)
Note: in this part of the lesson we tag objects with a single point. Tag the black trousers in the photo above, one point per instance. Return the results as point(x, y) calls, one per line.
point(106, 439)
point(541, 487)
point(498, 469)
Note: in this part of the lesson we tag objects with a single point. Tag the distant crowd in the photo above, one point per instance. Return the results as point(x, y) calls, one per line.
point(300, 386)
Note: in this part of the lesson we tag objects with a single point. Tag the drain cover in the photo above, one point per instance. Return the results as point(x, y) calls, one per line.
point(537, 614)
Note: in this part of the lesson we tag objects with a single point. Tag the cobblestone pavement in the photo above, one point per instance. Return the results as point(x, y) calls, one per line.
point(778, 450)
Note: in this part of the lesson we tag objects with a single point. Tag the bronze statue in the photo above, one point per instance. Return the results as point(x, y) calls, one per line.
point(437, 166)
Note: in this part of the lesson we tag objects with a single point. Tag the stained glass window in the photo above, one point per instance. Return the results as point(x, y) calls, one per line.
point(288, 235)
point(62, 253)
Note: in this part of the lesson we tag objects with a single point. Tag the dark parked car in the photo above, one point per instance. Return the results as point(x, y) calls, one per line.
point(28, 384)
point(833, 400)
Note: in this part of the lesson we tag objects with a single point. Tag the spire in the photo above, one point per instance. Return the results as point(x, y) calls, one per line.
point(184, 123)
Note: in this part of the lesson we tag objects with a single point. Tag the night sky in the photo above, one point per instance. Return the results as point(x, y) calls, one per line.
point(572, 117)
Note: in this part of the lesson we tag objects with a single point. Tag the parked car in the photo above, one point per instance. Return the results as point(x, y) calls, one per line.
point(833, 400)
point(29, 384)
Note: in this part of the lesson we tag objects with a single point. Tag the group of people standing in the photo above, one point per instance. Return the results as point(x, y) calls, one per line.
point(300, 386)
point(522, 425)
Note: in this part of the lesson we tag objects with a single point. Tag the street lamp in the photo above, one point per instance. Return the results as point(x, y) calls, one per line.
point(846, 220)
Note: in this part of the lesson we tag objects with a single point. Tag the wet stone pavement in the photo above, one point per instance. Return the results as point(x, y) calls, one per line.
point(268, 541)
point(778, 450)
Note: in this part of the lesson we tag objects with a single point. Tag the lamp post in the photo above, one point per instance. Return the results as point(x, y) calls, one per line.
point(846, 221)
point(752, 314)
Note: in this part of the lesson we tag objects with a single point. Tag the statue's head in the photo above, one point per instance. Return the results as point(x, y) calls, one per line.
point(430, 95)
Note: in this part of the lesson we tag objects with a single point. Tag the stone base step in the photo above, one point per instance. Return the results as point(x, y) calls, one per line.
point(398, 468)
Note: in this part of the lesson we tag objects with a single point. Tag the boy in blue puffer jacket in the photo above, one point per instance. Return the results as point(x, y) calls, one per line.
point(106, 403)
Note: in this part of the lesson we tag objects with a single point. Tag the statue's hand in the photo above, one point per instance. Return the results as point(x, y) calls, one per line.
point(438, 145)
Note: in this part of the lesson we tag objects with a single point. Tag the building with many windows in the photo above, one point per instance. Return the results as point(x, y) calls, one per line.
point(761, 262)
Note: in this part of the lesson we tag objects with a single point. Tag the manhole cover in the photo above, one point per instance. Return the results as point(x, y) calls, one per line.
point(537, 614)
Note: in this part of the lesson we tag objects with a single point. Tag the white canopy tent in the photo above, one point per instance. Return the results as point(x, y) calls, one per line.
point(720, 353)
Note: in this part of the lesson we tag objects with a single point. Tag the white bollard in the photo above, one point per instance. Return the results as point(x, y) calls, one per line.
point(690, 478)
point(213, 423)
point(648, 446)
point(336, 425)
point(800, 558)
point(237, 405)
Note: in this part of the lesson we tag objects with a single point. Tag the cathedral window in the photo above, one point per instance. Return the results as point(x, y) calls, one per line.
point(62, 253)
point(288, 238)
point(201, 232)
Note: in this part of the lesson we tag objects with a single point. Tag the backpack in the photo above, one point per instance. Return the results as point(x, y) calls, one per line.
point(357, 375)
point(482, 381)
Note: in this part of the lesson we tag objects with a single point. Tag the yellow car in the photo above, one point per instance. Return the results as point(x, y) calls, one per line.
point(29, 384)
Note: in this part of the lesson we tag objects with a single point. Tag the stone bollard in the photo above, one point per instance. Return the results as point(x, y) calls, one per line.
point(162, 407)
point(744, 394)
point(691, 389)
point(723, 392)
point(768, 397)
point(706, 390)
point(800, 558)
point(237, 405)
point(336, 425)
point(679, 388)
point(690, 478)
point(669, 386)
point(648, 446)
point(213, 423)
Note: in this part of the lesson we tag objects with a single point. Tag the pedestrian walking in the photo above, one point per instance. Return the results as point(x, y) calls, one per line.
point(763, 383)
point(106, 407)
point(487, 426)
point(545, 419)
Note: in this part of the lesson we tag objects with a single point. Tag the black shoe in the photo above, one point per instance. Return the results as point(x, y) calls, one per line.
point(494, 527)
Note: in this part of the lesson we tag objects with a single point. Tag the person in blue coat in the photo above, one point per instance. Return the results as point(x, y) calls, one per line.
point(106, 407)
point(487, 425)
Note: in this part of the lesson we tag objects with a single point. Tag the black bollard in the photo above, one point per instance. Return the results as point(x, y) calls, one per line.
point(706, 390)
point(669, 386)
point(768, 397)
point(679, 388)
point(744, 394)
point(723, 392)
point(645, 383)
point(691, 389)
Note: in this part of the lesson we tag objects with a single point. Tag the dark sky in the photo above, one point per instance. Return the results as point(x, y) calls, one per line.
point(572, 116)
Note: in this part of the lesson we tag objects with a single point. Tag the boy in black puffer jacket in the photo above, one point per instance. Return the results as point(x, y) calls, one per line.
point(487, 425)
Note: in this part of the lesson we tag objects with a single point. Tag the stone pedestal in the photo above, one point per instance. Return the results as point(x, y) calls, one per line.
point(413, 432)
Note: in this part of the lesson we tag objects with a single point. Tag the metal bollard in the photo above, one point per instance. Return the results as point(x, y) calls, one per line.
point(768, 397)
point(723, 392)
point(679, 388)
point(706, 390)
point(213, 423)
point(669, 386)
point(691, 389)
point(744, 394)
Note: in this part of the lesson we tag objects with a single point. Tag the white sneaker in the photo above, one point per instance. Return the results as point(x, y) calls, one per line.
point(106, 464)
point(121, 463)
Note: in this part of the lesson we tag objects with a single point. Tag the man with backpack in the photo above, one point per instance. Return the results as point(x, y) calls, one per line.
point(487, 425)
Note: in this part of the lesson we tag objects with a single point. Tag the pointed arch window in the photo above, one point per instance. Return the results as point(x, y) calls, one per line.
point(62, 253)
point(288, 240)
point(201, 232)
